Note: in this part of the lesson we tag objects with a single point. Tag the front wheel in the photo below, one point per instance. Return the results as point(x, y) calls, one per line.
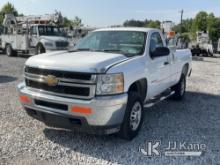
point(179, 88)
point(39, 49)
point(133, 118)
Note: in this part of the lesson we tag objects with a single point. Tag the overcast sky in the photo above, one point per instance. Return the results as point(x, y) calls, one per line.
point(111, 12)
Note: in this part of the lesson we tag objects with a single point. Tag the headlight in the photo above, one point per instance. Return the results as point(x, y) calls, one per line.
point(48, 44)
point(109, 84)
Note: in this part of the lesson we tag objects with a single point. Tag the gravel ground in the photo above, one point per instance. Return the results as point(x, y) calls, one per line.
point(24, 140)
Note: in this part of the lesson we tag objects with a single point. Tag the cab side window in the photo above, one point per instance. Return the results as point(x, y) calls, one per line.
point(155, 41)
point(33, 30)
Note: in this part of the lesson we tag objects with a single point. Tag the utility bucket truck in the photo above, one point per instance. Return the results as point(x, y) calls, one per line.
point(204, 45)
point(32, 34)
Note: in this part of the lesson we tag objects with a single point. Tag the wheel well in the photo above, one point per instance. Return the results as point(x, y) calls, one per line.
point(6, 44)
point(140, 87)
point(185, 69)
point(39, 43)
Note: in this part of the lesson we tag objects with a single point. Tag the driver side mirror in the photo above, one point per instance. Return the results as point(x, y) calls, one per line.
point(160, 52)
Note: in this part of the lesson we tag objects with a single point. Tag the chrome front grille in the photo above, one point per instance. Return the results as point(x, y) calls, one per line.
point(69, 84)
point(62, 44)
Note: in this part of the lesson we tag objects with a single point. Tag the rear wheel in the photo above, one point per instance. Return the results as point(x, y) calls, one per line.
point(179, 88)
point(210, 54)
point(133, 118)
point(9, 51)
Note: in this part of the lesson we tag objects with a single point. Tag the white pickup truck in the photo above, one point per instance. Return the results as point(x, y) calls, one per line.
point(103, 84)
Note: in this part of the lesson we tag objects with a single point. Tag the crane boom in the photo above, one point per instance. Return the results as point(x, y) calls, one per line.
point(55, 19)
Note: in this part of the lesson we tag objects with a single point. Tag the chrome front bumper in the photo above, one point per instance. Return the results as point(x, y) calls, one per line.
point(106, 111)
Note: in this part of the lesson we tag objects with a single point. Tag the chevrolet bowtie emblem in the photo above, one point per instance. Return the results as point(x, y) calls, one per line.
point(51, 80)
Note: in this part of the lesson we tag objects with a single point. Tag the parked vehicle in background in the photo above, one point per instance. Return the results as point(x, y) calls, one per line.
point(174, 40)
point(167, 26)
point(1, 31)
point(77, 33)
point(32, 34)
point(204, 46)
point(216, 47)
point(103, 84)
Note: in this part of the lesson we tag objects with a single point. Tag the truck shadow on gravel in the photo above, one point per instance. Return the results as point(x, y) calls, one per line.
point(195, 119)
point(207, 59)
point(7, 79)
point(25, 56)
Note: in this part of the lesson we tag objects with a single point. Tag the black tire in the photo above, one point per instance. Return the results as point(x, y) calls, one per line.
point(210, 54)
point(3, 51)
point(9, 51)
point(127, 131)
point(39, 49)
point(180, 88)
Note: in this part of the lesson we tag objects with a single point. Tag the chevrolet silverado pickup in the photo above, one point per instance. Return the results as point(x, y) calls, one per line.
point(103, 84)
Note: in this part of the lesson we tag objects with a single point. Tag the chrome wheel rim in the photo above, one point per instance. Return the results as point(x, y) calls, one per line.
point(182, 87)
point(135, 117)
point(8, 50)
point(39, 50)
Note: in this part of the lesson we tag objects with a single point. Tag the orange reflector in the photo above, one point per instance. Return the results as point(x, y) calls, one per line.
point(24, 99)
point(171, 34)
point(84, 110)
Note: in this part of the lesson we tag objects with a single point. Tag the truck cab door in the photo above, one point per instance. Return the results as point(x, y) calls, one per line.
point(173, 60)
point(159, 68)
point(33, 36)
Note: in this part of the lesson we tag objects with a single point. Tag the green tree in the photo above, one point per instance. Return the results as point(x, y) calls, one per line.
point(134, 23)
point(67, 22)
point(214, 30)
point(153, 24)
point(201, 21)
point(77, 22)
point(185, 37)
point(7, 8)
point(139, 23)
point(210, 21)
point(185, 27)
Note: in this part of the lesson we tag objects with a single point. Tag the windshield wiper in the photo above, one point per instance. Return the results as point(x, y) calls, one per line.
point(81, 49)
point(94, 50)
point(111, 50)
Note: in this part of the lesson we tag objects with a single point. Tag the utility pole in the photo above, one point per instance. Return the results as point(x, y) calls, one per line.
point(181, 21)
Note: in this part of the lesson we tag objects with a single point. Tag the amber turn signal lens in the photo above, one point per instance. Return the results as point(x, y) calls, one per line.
point(84, 110)
point(24, 99)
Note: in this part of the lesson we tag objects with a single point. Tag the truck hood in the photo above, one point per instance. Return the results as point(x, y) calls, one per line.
point(53, 38)
point(89, 62)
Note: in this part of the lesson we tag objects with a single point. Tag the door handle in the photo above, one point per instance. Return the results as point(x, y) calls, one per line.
point(166, 63)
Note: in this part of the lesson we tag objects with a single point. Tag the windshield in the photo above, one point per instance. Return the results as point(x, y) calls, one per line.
point(129, 43)
point(49, 31)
